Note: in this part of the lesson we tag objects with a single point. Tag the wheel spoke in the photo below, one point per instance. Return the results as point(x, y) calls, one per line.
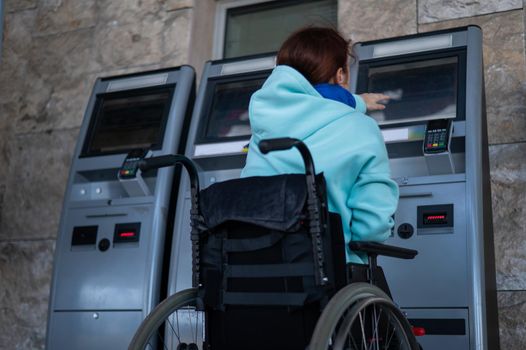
point(166, 317)
point(370, 323)
point(173, 329)
point(376, 331)
point(196, 326)
point(390, 338)
point(362, 329)
point(177, 322)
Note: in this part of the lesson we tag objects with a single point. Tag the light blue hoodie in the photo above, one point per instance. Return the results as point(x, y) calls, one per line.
point(347, 146)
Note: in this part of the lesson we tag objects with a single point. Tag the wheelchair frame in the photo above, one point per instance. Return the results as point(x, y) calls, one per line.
point(347, 303)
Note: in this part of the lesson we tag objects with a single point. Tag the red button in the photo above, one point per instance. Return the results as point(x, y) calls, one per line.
point(419, 331)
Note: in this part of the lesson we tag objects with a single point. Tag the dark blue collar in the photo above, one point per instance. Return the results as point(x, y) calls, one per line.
point(336, 92)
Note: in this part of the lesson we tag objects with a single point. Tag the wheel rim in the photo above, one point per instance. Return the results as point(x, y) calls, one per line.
point(173, 324)
point(371, 324)
point(336, 315)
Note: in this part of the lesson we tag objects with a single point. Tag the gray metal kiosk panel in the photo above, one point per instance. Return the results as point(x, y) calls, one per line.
point(111, 238)
point(441, 252)
point(110, 330)
point(113, 279)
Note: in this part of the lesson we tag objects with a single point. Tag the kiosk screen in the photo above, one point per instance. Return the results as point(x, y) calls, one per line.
point(228, 114)
point(422, 90)
point(125, 121)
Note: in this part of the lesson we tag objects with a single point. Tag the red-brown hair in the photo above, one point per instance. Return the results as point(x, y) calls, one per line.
point(316, 53)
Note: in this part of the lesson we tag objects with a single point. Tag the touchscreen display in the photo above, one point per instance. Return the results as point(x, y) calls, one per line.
point(422, 90)
point(228, 114)
point(128, 121)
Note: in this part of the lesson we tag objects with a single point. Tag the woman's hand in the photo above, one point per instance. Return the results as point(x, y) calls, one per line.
point(375, 102)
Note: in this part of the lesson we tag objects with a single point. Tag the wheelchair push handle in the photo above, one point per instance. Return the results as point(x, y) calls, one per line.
point(285, 143)
point(147, 164)
point(279, 144)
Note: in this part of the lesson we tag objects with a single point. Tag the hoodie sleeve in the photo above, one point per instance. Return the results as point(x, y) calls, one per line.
point(373, 198)
point(360, 104)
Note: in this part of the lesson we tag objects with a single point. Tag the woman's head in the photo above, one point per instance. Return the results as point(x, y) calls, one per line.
point(320, 54)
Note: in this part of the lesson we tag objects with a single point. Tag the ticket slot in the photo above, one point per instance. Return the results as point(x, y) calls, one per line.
point(445, 326)
point(127, 233)
point(84, 235)
point(435, 219)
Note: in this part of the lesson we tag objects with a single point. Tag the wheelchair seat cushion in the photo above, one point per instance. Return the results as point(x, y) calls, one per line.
point(272, 202)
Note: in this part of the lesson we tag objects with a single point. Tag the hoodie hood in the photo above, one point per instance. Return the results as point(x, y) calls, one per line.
point(287, 106)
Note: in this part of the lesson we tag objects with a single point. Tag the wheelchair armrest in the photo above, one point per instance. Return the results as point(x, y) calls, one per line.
point(375, 248)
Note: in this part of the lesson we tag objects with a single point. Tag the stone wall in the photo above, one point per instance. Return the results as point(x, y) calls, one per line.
point(54, 49)
point(503, 26)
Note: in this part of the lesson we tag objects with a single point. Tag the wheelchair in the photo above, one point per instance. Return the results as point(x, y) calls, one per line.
point(269, 271)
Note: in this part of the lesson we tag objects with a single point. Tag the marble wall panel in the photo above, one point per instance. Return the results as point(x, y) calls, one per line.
point(152, 39)
point(111, 12)
point(441, 10)
point(18, 5)
point(505, 72)
point(512, 308)
point(58, 16)
point(176, 38)
point(18, 27)
point(175, 5)
point(36, 183)
point(2, 191)
point(118, 13)
point(123, 71)
point(201, 35)
point(4, 162)
point(56, 89)
point(15, 53)
point(508, 182)
point(25, 272)
point(376, 20)
point(6, 127)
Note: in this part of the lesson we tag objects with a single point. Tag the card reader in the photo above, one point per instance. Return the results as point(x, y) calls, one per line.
point(130, 175)
point(436, 147)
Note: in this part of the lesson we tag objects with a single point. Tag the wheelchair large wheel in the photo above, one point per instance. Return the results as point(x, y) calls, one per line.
point(361, 316)
point(173, 324)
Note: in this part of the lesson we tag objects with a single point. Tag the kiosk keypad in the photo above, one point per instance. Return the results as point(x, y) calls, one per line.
point(130, 165)
point(437, 136)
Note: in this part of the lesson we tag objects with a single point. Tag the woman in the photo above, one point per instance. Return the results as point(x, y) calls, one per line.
point(304, 98)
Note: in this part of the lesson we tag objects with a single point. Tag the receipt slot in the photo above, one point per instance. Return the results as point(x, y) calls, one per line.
point(434, 126)
point(110, 245)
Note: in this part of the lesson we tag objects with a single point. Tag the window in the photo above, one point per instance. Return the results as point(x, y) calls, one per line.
point(255, 26)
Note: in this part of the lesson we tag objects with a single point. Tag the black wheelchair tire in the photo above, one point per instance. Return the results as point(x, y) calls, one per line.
point(345, 304)
point(155, 319)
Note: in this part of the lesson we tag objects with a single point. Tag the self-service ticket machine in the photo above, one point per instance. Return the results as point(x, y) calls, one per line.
point(110, 245)
point(434, 126)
